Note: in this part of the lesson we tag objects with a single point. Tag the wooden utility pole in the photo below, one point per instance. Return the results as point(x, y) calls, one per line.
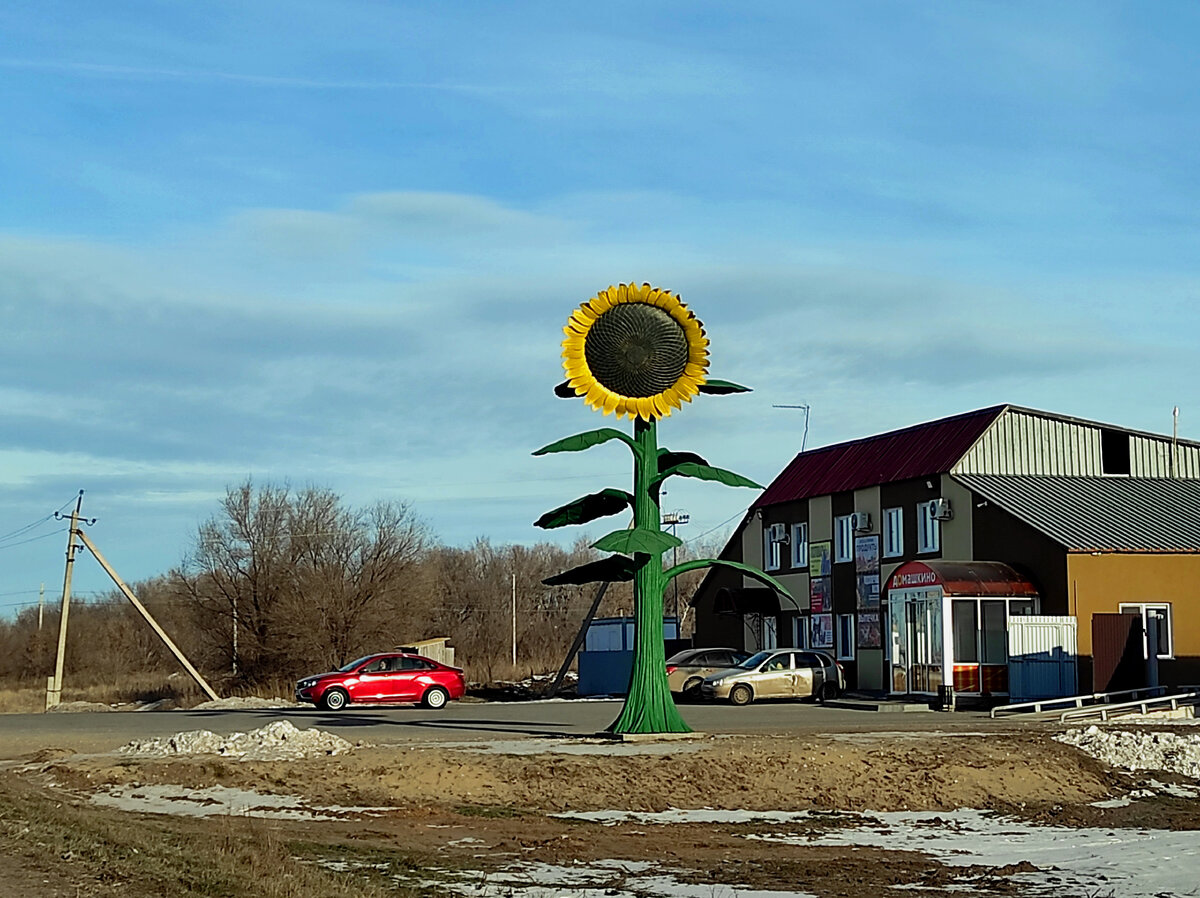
point(54, 685)
point(128, 593)
point(41, 605)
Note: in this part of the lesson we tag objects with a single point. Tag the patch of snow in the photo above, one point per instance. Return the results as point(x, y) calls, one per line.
point(1174, 752)
point(277, 741)
point(599, 879)
point(246, 703)
point(1133, 863)
point(219, 801)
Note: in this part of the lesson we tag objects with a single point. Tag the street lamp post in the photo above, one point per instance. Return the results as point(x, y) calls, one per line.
point(673, 519)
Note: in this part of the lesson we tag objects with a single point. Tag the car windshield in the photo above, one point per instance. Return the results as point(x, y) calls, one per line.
point(346, 668)
point(754, 660)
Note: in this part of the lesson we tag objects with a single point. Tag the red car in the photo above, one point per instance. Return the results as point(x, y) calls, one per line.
point(384, 679)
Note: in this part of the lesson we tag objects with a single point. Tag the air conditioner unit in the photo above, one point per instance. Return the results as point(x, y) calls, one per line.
point(777, 533)
point(940, 510)
point(860, 521)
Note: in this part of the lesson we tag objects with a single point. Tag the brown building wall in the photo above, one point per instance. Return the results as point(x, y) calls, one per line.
point(998, 536)
point(1100, 583)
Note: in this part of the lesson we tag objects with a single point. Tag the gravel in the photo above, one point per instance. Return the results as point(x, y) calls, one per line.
point(276, 741)
point(1167, 751)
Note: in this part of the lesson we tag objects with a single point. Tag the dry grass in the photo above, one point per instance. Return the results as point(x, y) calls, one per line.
point(30, 697)
point(106, 853)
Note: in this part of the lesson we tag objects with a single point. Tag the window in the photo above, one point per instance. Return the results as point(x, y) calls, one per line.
point(772, 553)
point(843, 539)
point(929, 528)
point(1114, 452)
point(1156, 615)
point(800, 546)
point(893, 532)
point(845, 637)
point(800, 632)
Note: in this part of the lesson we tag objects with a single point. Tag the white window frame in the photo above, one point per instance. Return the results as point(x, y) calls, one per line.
point(772, 553)
point(929, 529)
point(1165, 609)
point(845, 631)
point(800, 546)
point(843, 538)
point(800, 631)
point(893, 532)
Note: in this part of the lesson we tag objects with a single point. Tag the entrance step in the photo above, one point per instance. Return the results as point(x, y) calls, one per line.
point(879, 705)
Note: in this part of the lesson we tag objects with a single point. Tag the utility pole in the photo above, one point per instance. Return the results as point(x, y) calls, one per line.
point(673, 519)
point(514, 621)
point(54, 686)
point(41, 605)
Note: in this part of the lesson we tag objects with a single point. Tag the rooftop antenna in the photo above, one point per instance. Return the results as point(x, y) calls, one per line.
point(1174, 440)
point(807, 410)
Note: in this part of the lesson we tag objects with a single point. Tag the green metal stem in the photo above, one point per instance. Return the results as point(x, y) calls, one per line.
point(649, 707)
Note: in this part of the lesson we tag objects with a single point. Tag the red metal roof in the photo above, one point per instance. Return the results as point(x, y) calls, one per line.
point(919, 451)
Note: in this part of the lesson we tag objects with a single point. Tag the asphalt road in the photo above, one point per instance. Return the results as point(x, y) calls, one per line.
point(23, 734)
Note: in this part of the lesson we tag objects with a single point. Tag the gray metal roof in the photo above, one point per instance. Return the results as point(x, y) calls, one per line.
point(1100, 514)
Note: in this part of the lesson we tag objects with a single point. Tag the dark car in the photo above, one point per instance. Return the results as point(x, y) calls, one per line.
point(777, 673)
point(387, 678)
point(686, 670)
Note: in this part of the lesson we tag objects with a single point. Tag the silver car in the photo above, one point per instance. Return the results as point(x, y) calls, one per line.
point(777, 673)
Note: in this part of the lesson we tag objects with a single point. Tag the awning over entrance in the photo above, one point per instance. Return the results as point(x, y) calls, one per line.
point(963, 578)
point(753, 600)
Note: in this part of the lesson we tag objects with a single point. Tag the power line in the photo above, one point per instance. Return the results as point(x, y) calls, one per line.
point(34, 538)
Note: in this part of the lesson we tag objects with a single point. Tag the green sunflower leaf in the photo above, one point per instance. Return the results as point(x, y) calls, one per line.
point(707, 472)
point(586, 508)
point(585, 440)
point(614, 569)
point(637, 540)
point(722, 387)
point(668, 459)
point(752, 572)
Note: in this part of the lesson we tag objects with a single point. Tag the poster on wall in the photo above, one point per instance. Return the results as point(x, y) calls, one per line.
point(820, 559)
point(868, 630)
point(866, 554)
point(822, 631)
point(868, 592)
point(820, 595)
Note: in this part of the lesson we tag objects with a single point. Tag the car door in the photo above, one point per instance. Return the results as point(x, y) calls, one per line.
point(409, 686)
point(809, 676)
point(372, 681)
point(773, 679)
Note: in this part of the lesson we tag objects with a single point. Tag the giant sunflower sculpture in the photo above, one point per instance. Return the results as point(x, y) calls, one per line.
point(638, 352)
point(635, 351)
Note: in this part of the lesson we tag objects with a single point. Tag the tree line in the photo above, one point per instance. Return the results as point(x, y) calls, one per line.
point(282, 582)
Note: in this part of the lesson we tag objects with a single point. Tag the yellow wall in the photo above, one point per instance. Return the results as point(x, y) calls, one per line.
point(1100, 583)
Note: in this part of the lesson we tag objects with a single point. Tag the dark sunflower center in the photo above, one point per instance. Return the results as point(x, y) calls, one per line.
point(635, 349)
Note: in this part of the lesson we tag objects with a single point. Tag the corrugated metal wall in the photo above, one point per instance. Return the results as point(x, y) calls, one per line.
point(1023, 443)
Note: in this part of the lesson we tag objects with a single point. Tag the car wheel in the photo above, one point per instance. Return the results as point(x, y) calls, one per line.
point(828, 693)
point(335, 700)
point(435, 698)
point(691, 689)
point(741, 694)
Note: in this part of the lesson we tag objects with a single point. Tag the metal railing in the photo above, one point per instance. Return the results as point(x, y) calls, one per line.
point(1162, 703)
point(1076, 701)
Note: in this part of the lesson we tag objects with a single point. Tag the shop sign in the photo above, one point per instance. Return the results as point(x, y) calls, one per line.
point(820, 594)
point(820, 559)
point(868, 630)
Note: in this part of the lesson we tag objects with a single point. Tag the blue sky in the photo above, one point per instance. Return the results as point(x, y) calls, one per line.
point(335, 243)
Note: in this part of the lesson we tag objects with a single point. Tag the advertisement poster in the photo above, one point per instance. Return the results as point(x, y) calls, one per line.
point(820, 595)
point(820, 559)
point(868, 630)
point(866, 554)
point(868, 592)
point(822, 631)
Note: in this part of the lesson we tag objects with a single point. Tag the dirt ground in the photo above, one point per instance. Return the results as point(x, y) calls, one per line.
point(456, 807)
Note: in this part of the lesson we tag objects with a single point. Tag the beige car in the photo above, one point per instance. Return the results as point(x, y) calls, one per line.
point(778, 673)
point(687, 669)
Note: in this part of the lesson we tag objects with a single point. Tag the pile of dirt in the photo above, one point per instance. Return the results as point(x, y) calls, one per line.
point(246, 703)
point(275, 742)
point(928, 773)
point(1172, 752)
